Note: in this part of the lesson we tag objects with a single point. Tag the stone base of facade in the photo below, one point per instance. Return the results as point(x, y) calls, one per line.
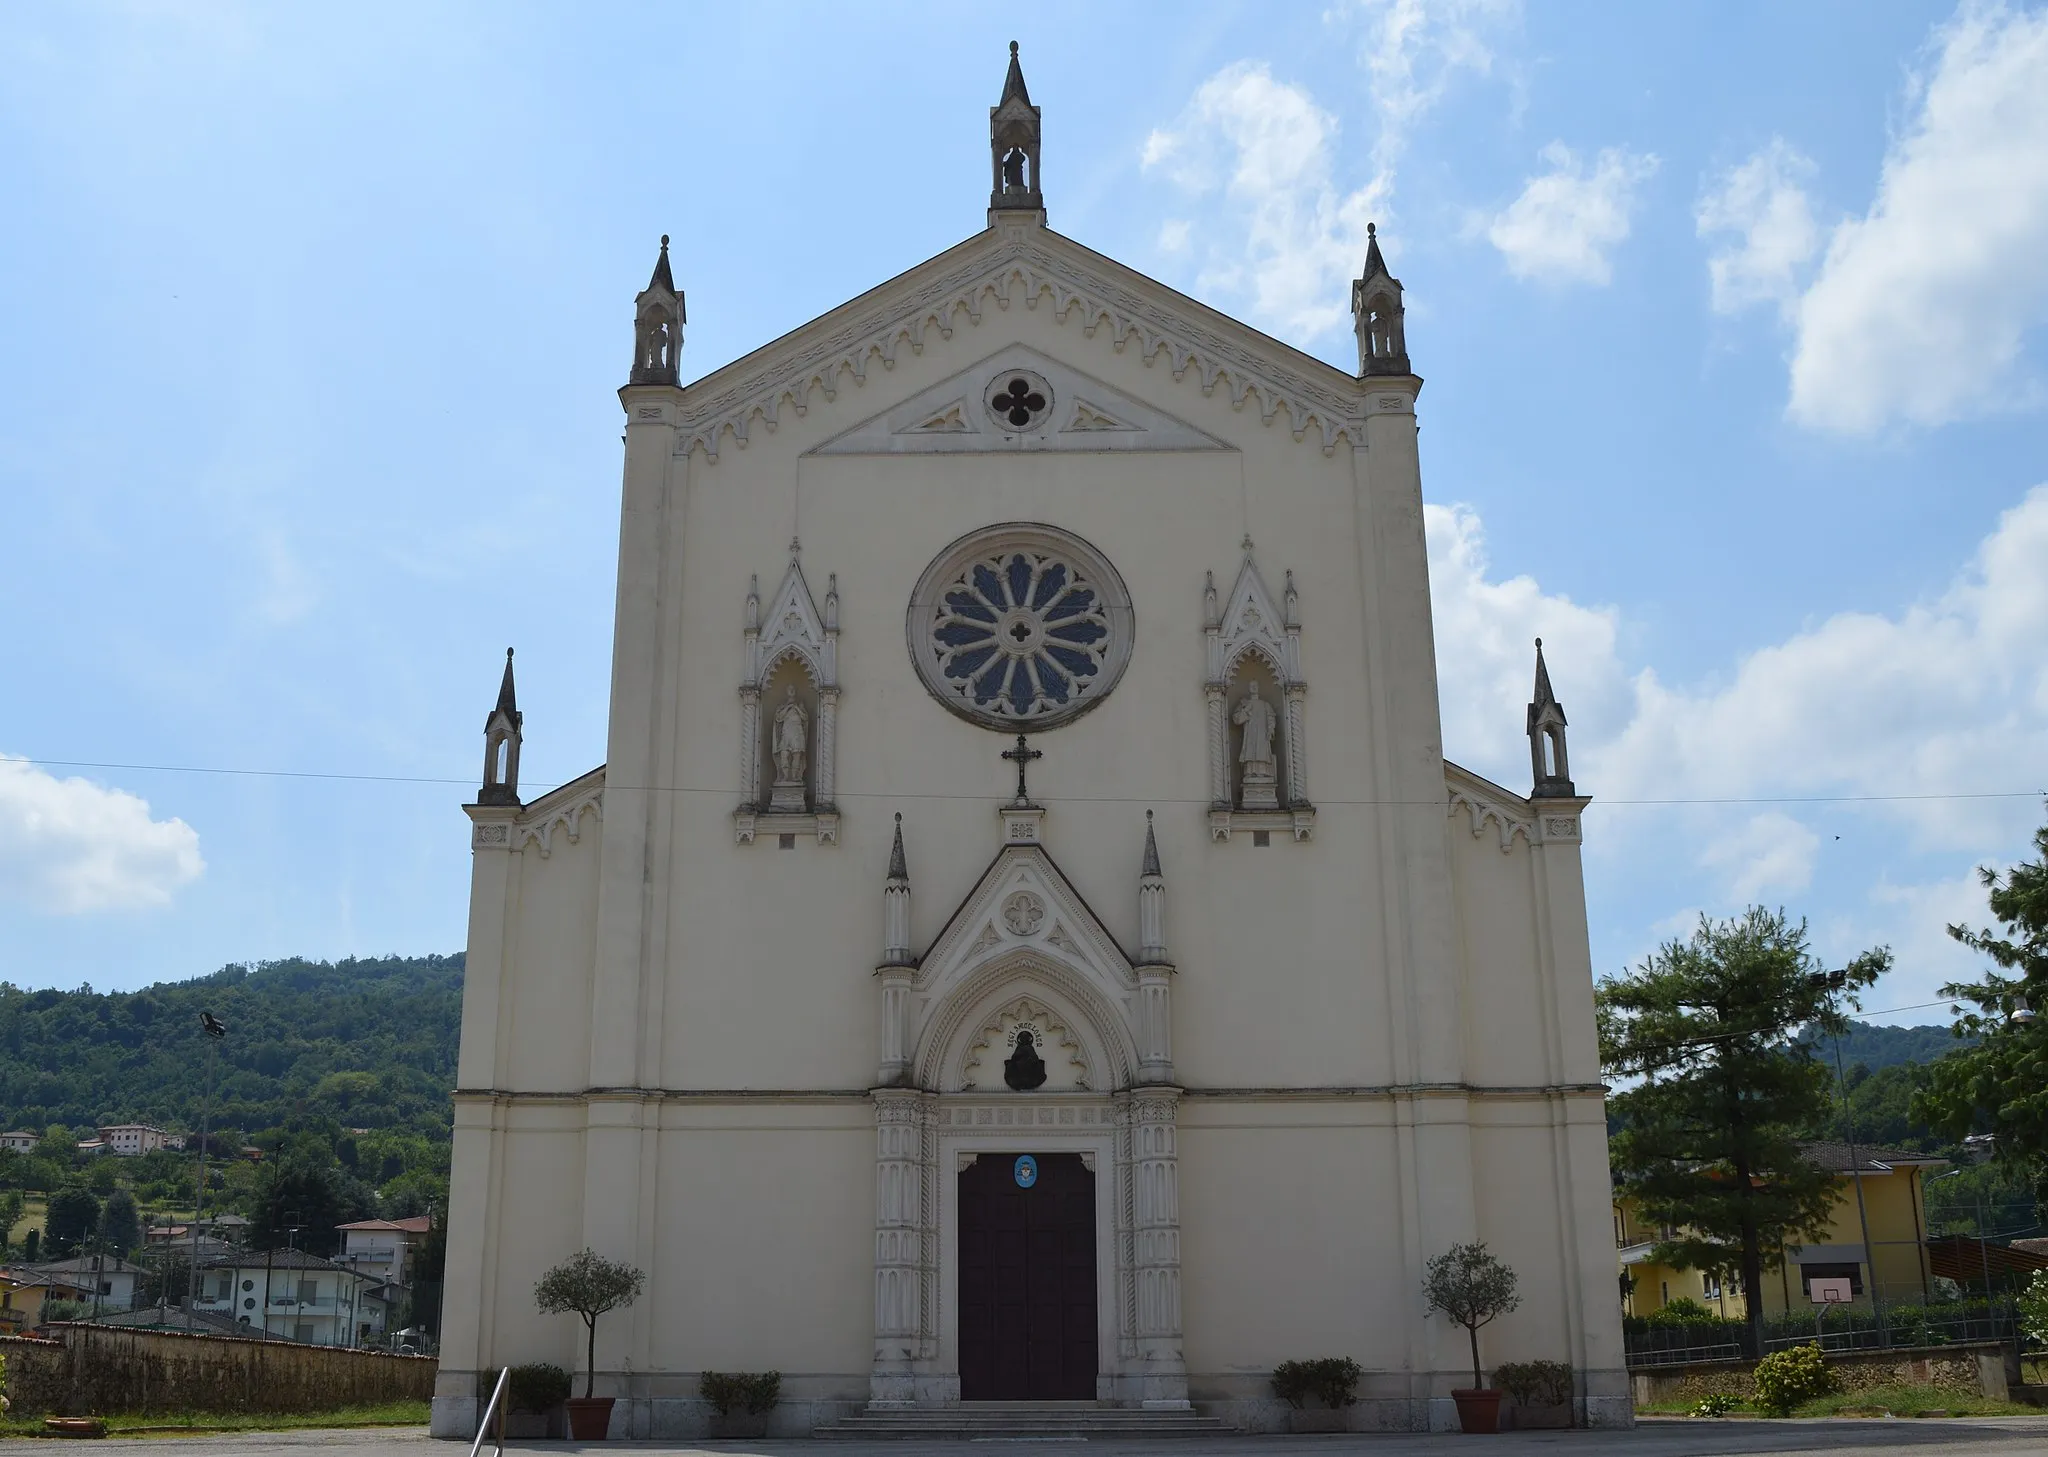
point(454, 1418)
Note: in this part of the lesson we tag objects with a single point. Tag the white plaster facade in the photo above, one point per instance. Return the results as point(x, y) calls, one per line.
point(1303, 1047)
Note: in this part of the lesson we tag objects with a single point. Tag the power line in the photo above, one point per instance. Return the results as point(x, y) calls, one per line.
point(727, 790)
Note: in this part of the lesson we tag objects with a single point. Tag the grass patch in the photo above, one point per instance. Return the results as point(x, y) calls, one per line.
point(1904, 1401)
point(391, 1414)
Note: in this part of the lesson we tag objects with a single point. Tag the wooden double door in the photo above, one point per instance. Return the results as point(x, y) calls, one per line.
point(1027, 1279)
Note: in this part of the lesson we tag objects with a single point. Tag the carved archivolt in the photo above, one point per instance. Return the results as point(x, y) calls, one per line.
point(1024, 266)
point(1066, 1062)
point(1096, 1027)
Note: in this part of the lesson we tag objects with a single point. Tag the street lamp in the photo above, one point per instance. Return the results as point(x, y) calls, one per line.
point(2021, 1012)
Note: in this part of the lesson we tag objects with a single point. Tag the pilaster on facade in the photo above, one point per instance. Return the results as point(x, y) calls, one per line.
point(902, 1266)
point(1161, 1375)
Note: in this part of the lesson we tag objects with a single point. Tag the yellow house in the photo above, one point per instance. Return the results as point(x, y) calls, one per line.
point(1892, 1207)
point(22, 1297)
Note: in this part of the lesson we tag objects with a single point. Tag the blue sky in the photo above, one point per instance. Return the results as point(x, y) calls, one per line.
point(1731, 317)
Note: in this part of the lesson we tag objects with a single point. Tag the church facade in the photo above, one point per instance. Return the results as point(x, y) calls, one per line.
point(1025, 941)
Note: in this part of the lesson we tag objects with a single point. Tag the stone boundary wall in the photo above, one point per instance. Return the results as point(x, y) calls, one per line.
point(89, 1370)
point(1967, 1368)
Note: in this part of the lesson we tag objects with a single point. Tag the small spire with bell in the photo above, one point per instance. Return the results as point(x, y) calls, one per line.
point(1547, 760)
point(658, 318)
point(1013, 134)
point(501, 745)
point(1376, 310)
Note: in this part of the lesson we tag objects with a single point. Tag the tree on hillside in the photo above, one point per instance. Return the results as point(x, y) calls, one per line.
point(1724, 1091)
point(73, 1217)
point(120, 1223)
point(2000, 1085)
point(299, 1192)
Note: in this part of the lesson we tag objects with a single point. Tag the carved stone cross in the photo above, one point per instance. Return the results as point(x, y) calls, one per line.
point(1022, 756)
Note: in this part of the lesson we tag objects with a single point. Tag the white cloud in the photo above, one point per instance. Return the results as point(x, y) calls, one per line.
point(1943, 697)
point(1922, 304)
point(1285, 235)
point(1766, 856)
point(1290, 236)
point(1174, 234)
point(1567, 220)
point(1763, 202)
point(1486, 659)
point(1946, 696)
point(71, 846)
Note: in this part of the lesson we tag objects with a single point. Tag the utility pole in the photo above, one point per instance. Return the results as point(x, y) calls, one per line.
point(215, 1030)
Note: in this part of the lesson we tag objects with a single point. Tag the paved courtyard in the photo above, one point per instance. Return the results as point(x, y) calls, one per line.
point(1979, 1437)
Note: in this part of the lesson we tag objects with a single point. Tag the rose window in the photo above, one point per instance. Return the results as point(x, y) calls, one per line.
point(1020, 628)
point(1019, 399)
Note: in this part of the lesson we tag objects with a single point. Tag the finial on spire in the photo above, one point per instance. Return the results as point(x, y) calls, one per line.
point(1013, 134)
point(501, 745)
point(658, 319)
point(1548, 764)
point(1151, 862)
point(1378, 314)
point(899, 869)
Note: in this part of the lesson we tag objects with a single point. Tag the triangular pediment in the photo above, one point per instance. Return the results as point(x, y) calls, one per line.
point(1019, 263)
point(1018, 399)
point(1025, 901)
point(1024, 937)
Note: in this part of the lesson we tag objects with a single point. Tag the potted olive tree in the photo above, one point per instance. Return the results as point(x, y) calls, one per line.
point(1472, 1287)
point(587, 1284)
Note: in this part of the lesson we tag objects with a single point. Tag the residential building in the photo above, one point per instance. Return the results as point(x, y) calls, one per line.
point(94, 1145)
point(132, 1139)
point(293, 1295)
point(20, 1142)
point(1895, 1260)
point(383, 1248)
point(118, 1281)
point(23, 1293)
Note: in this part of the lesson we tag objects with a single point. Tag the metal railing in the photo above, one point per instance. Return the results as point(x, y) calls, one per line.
point(1854, 1329)
point(496, 1406)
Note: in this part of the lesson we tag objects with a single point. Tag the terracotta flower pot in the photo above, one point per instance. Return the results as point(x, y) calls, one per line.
point(590, 1417)
point(1478, 1409)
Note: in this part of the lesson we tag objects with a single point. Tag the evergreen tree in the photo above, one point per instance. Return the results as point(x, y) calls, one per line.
point(73, 1217)
point(1723, 1091)
point(120, 1223)
point(2000, 1084)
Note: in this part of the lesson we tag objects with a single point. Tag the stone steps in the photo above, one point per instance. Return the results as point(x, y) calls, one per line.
point(1016, 1420)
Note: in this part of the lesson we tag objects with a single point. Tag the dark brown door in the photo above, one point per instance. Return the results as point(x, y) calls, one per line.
point(1027, 1280)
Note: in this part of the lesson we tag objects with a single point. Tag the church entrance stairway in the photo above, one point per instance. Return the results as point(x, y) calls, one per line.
point(1021, 1419)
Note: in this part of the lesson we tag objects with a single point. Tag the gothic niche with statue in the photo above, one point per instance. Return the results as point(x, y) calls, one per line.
point(1025, 1048)
point(789, 704)
point(1258, 762)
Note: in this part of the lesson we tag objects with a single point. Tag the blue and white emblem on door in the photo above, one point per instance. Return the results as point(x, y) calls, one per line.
point(1027, 1171)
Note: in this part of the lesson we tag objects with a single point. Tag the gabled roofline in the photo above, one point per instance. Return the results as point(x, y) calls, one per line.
point(561, 793)
point(927, 295)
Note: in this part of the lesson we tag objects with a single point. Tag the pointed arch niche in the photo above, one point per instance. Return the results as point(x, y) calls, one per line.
point(1254, 653)
point(789, 711)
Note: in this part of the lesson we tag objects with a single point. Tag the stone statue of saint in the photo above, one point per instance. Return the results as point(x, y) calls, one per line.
point(792, 739)
point(1255, 751)
point(654, 338)
point(1013, 170)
